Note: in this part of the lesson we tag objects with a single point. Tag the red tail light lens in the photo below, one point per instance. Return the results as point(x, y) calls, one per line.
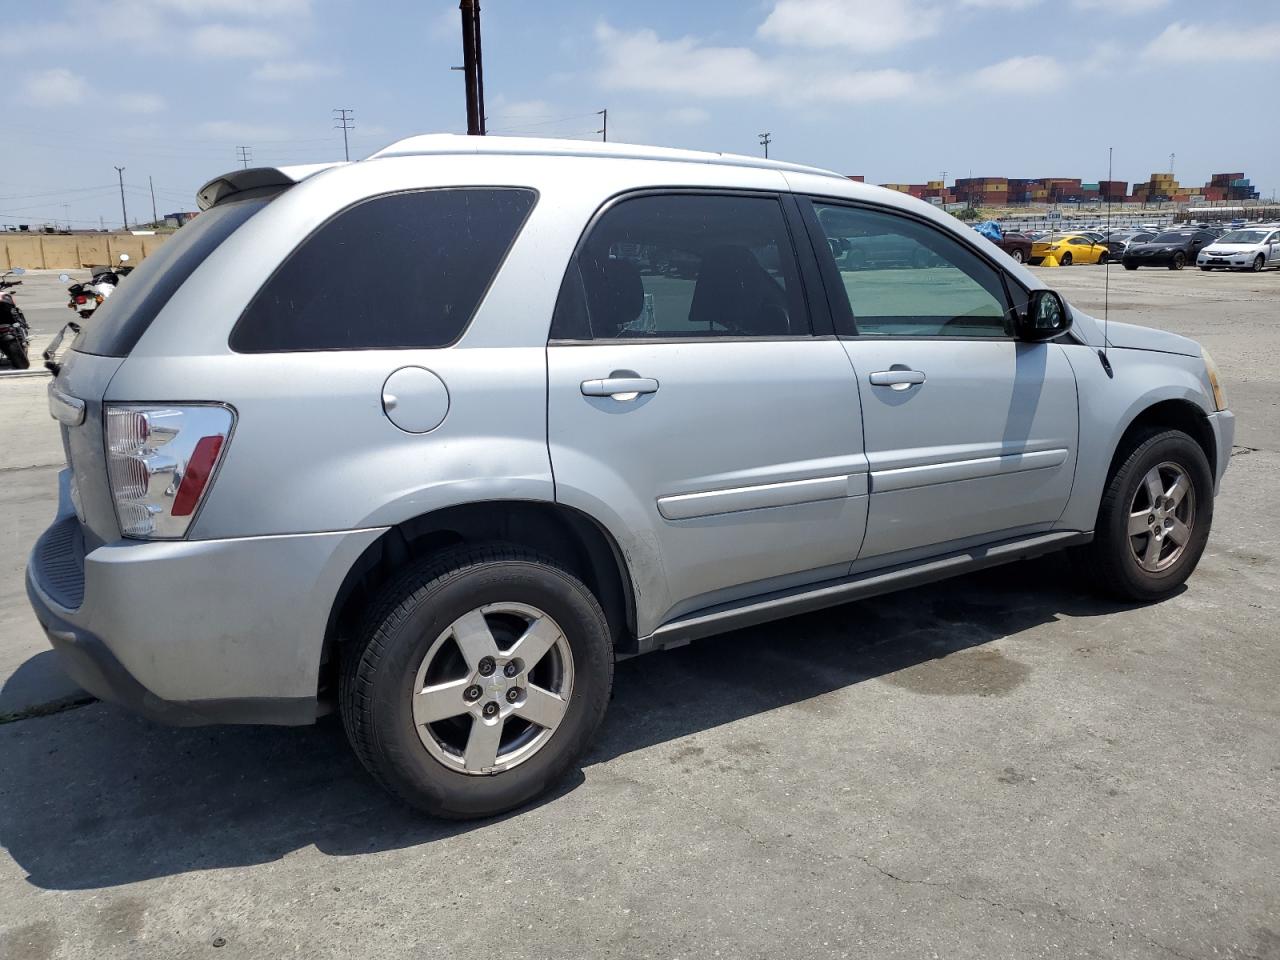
point(81, 298)
point(199, 469)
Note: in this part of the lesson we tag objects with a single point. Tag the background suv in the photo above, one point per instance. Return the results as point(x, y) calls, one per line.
point(440, 434)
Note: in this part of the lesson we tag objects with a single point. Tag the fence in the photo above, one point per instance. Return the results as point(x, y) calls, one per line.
point(37, 251)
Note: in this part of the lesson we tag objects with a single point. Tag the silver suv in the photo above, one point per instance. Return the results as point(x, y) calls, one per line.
point(438, 436)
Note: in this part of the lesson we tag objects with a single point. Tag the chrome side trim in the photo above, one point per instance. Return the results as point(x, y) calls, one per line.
point(925, 474)
point(711, 503)
point(789, 603)
point(64, 408)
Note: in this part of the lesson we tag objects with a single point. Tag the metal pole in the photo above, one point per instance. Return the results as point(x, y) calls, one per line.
point(604, 127)
point(154, 219)
point(124, 214)
point(469, 67)
point(475, 32)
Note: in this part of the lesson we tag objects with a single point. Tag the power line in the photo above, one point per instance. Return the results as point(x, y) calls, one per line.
point(346, 121)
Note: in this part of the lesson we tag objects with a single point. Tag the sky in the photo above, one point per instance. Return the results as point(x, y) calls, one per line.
point(895, 90)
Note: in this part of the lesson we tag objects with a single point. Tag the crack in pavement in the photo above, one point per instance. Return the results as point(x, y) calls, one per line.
point(47, 709)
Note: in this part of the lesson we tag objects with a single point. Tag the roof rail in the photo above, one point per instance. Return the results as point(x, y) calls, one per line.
point(448, 143)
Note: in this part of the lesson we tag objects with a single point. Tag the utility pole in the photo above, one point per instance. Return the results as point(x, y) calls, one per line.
point(765, 140)
point(604, 127)
point(124, 214)
point(154, 219)
point(244, 155)
point(473, 66)
point(66, 214)
point(1171, 156)
point(346, 121)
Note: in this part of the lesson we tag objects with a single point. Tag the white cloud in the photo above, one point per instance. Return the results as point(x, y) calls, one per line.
point(1016, 75)
point(220, 40)
point(260, 9)
point(687, 116)
point(641, 60)
point(139, 102)
point(1202, 42)
point(291, 71)
point(863, 26)
point(55, 88)
point(1003, 4)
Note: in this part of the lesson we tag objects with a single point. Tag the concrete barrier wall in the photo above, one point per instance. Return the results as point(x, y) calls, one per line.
point(38, 251)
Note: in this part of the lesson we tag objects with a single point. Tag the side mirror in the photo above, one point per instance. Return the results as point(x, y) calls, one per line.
point(124, 258)
point(64, 277)
point(1046, 317)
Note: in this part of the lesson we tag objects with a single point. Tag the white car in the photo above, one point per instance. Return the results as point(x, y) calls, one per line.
point(1249, 248)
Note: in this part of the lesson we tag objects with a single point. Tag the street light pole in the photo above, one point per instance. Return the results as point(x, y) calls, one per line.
point(472, 66)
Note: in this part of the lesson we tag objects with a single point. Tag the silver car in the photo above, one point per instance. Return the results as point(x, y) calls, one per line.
point(436, 437)
point(1248, 248)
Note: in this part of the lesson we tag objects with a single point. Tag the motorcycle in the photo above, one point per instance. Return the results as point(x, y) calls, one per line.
point(86, 297)
point(15, 335)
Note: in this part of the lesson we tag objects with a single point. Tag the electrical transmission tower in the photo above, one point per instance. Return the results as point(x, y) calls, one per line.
point(344, 119)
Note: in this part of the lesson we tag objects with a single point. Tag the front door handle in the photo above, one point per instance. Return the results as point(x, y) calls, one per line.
point(619, 388)
point(897, 379)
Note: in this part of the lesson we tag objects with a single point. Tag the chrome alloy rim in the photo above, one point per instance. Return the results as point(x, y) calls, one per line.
point(493, 688)
point(1161, 517)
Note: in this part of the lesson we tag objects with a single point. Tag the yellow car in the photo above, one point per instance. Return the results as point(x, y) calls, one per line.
point(1068, 248)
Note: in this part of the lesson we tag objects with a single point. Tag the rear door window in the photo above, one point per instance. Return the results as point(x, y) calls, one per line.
point(124, 316)
point(403, 270)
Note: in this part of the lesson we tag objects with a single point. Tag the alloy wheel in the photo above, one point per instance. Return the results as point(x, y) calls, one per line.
point(1161, 517)
point(493, 688)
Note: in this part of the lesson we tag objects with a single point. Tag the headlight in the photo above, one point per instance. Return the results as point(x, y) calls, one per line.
point(1215, 381)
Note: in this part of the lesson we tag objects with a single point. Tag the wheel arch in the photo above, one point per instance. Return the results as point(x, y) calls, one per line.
point(1171, 414)
point(574, 539)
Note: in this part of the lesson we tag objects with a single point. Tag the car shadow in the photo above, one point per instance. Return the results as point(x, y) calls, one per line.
point(96, 797)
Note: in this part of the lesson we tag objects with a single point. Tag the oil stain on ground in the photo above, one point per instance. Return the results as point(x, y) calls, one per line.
point(966, 673)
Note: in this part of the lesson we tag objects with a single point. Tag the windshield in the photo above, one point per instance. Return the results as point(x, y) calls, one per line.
point(1172, 238)
point(124, 317)
point(1244, 236)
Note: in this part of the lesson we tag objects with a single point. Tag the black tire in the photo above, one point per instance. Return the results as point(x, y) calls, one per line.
point(379, 669)
point(1109, 560)
point(1131, 266)
point(1179, 261)
point(1016, 253)
point(1066, 260)
point(1259, 263)
point(16, 354)
point(1102, 259)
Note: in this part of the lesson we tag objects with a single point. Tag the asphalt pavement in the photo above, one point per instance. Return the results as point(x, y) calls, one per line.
point(996, 766)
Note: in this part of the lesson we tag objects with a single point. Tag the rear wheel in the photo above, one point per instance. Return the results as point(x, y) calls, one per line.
point(1154, 519)
point(1066, 260)
point(1017, 255)
point(479, 680)
point(1179, 261)
point(1131, 266)
point(16, 354)
point(1258, 263)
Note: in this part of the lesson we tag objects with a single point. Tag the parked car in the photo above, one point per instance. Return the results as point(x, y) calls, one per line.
point(434, 438)
point(1248, 249)
point(1120, 241)
point(1016, 245)
point(1069, 248)
point(1173, 249)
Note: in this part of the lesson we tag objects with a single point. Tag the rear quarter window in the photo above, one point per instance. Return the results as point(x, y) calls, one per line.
point(125, 316)
point(402, 270)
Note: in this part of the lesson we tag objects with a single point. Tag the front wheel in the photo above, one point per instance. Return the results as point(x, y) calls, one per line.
point(16, 354)
point(1258, 263)
point(479, 680)
point(1179, 261)
point(1017, 255)
point(1102, 259)
point(1131, 266)
point(1154, 519)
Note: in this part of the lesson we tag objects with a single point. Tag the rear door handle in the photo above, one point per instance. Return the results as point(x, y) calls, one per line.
point(897, 379)
point(619, 388)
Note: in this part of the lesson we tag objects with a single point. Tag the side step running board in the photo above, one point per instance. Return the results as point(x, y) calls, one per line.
point(789, 603)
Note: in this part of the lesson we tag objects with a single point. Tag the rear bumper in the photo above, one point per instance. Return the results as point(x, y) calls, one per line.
point(191, 632)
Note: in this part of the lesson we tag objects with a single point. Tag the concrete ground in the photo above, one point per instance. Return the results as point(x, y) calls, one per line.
point(993, 767)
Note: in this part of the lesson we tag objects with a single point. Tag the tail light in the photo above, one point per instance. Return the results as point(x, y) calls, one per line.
point(161, 461)
point(81, 298)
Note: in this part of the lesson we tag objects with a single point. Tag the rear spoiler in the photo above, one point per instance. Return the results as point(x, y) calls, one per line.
point(256, 178)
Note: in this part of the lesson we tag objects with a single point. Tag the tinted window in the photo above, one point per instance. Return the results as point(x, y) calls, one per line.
point(1173, 238)
point(684, 265)
point(402, 270)
point(904, 278)
point(124, 316)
